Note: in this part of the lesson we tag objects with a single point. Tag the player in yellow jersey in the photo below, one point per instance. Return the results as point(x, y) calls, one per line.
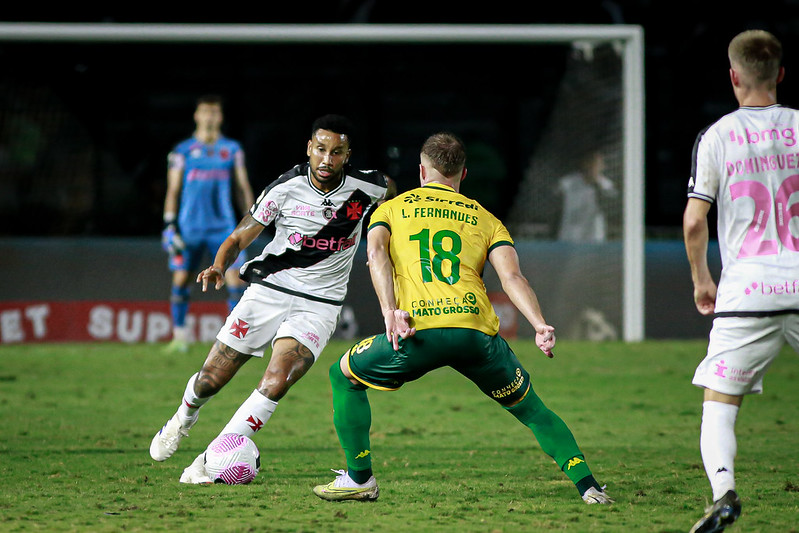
point(426, 252)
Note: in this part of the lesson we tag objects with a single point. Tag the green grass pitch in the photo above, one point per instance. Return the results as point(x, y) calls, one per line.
point(77, 421)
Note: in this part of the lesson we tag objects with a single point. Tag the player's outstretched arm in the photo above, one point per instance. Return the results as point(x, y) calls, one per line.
point(243, 189)
point(505, 261)
point(696, 235)
point(171, 239)
point(381, 270)
point(246, 232)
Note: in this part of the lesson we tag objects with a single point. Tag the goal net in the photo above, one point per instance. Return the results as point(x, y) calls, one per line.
point(552, 117)
point(570, 200)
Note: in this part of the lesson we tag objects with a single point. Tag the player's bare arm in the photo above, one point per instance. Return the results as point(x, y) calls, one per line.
point(174, 183)
point(246, 232)
point(244, 194)
point(505, 261)
point(381, 270)
point(696, 235)
point(220, 366)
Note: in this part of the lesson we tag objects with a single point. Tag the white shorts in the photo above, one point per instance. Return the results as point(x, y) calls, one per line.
point(741, 349)
point(263, 315)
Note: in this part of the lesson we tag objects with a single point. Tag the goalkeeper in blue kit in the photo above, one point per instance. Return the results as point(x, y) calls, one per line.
point(205, 173)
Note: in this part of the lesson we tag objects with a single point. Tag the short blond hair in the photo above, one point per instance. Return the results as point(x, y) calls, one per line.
point(758, 54)
point(446, 153)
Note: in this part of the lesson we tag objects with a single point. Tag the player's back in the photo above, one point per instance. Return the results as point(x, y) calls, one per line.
point(440, 241)
point(747, 162)
point(206, 196)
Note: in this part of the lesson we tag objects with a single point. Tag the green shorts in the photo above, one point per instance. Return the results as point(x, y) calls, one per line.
point(487, 361)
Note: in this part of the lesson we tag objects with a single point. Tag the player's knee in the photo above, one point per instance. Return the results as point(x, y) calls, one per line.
point(340, 381)
point(276, 383)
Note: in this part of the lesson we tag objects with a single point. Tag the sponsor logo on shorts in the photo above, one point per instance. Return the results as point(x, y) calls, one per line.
point(510, 388)
point(311, 336)
point(239, 328)
point(733, 374)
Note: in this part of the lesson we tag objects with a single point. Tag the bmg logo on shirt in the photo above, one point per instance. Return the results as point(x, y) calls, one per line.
point(788, 136)
point(334, 244)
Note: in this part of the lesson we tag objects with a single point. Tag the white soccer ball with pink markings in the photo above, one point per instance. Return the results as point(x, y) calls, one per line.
point(232, 459)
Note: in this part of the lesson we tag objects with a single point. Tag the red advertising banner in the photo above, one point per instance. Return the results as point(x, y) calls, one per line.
point(147, 321)
point(117, 321)
point(507, 313)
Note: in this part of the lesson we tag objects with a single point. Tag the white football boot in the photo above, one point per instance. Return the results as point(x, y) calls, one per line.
point(167, 440)
point(593, 496)
point(344, 488)
point(195, 473)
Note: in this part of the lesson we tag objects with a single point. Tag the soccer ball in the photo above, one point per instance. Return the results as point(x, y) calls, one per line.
point(232, 459)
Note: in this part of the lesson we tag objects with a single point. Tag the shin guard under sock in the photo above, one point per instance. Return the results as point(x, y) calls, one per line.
point(187, 412)
point(554, 436)
point(352, 417)
point(251, 415)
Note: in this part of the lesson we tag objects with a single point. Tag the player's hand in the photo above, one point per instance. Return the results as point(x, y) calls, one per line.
point(705, 301)
point(171, 240)
point(545, 339)
point(212, 274)
point(398, 326)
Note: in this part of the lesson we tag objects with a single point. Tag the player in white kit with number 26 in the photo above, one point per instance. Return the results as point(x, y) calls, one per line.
point(747, 163)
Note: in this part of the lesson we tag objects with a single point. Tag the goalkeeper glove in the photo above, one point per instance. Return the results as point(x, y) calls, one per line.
point(171, 240)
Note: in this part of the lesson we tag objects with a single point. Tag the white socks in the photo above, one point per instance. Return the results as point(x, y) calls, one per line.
point(180, 333)
point(251, 416)
point(718, 445)
point(187, 412)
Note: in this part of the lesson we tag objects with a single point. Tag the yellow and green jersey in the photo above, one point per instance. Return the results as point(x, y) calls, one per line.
point(440, 241)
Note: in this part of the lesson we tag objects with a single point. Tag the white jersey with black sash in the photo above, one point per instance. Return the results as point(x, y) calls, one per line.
point(316, 233)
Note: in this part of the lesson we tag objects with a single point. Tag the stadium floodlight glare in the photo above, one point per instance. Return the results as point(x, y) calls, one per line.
point(628, 39)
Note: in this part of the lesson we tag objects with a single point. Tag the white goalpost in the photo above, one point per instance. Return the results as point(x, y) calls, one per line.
point(627, 158)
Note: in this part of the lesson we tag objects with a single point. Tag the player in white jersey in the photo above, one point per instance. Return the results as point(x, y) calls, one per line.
point(747, 163)
point(296, 286)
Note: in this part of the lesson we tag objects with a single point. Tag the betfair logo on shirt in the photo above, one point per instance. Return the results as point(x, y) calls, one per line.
point(334, 244)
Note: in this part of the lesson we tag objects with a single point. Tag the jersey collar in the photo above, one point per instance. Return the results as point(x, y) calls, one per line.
point(320, 191)
point(439, 186)
point(759, 108)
